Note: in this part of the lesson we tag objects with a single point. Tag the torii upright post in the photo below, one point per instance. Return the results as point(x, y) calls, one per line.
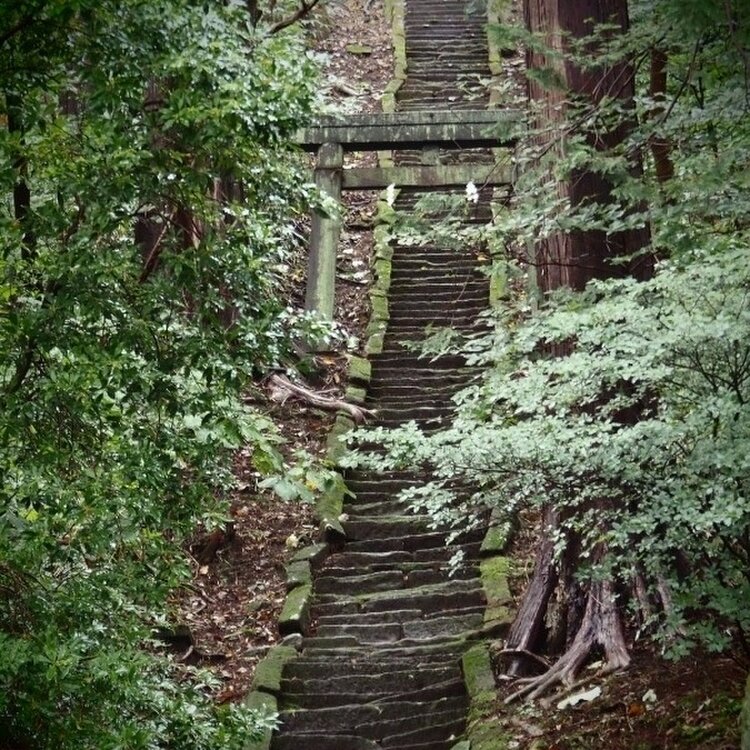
point(324, 235)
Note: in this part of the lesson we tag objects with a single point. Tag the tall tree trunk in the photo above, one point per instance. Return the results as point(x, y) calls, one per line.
point(574, 259)
point(587, 617)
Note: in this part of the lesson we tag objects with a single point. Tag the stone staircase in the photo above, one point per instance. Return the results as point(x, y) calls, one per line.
point(380, 663)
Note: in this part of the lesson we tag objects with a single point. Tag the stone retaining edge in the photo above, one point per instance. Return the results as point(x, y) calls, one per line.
point(265, 689)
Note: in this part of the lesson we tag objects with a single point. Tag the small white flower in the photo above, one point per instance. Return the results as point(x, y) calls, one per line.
point(472, 194)
point(390, 194)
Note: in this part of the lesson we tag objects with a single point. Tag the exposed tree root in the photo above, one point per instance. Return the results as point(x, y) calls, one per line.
point(281, 389)
point(601, 626)
point(528, 627)
point(530, 655)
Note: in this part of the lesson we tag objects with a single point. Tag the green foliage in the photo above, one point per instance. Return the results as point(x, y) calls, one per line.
point(122, 365)
point(639, 435)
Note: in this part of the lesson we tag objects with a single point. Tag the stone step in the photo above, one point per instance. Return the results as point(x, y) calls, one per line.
point(412, 630)
point(370, 580)
point(427, 738)
point(329, 698)
point(295, 741)
point(373, 663)
point(383, 683)
point(426, 603)
point(366, 527)
point(433, 555)
point(398, 615)
point(412, 542)
point(375, 721)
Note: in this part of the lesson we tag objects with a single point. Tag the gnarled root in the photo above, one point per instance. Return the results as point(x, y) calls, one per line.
point(281, 389)
point(601, 626)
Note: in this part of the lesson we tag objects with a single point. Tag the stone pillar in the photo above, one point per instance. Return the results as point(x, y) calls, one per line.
point(324, 235)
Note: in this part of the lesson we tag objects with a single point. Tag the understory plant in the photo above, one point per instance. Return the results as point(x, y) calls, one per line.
point(148, 199)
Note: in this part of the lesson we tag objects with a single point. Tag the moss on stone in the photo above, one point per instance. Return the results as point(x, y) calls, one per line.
point(379, 303)
point(494, 572)
point(295, 614)
point(331, 503)
point(268, 672)
point(360, 370)
point(383, 269)
point(375, 344)
point(479, 680)
point(355, 395)
point(477, 669)
point(490, 735)
point(266, 705)
point(298, 573)
point(495, 540)
point(381, 240)
point(335, 444)
point(313, 553)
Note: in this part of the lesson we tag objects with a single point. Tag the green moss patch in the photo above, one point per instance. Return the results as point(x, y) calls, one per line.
point(360, 370)
point(268, 672)
point(295, 615)
point(298, 573)
point(494, 572)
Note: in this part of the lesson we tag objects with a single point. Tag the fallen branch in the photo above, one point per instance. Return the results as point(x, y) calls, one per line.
point(281, 389)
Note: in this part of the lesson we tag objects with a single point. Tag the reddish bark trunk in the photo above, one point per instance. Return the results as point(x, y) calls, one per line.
point(572, 260)
point(588, 616)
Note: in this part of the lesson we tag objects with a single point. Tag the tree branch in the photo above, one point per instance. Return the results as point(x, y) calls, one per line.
point(17, 29)
point(304, 9)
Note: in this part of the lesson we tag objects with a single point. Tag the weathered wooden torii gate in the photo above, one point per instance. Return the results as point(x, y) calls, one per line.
point(330, 137)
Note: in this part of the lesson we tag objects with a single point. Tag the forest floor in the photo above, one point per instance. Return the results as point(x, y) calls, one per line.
point(233, 604)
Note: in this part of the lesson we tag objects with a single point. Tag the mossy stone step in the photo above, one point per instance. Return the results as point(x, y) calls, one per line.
point(409, 632)
point(386, 506)
point(410, 571)
point(372, 662)
point(378, 633)
point(427, 738)
point(370, 618)
point(424, 652)
point(368, 527)
point(382, 485)
point(442, 626)
point(444, 598)
point(399, 615)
